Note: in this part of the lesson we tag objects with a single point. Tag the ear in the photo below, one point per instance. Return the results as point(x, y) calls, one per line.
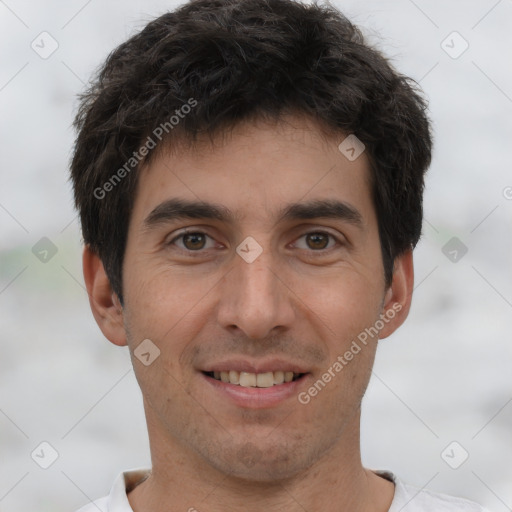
point(105, 304)
point(397, 300)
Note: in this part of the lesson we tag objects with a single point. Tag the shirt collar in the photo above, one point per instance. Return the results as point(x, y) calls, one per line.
point(124, 483)
point(128, 480)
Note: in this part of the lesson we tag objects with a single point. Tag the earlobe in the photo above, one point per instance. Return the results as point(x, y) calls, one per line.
point(397, 300)
point(105, 304)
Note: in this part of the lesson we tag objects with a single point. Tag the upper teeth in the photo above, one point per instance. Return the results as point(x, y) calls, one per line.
point(255, 380)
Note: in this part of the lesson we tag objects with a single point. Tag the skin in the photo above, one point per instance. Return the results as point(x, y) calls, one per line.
point(297, 301)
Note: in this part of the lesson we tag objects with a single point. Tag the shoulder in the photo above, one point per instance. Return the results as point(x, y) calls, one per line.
point(100, 505)
point(409, 498)
point(117, 500)
point(419, 500)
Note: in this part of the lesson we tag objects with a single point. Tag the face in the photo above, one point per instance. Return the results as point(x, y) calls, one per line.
point(273, 276)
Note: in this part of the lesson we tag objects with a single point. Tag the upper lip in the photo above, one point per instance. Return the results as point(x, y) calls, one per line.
point(245, 365)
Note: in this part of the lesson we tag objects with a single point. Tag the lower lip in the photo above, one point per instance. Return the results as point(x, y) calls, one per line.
point(257, 398)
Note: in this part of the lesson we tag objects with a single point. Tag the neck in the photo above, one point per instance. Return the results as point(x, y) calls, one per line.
point(182, 480)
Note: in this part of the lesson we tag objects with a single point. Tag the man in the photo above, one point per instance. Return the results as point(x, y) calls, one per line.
point(249, 176)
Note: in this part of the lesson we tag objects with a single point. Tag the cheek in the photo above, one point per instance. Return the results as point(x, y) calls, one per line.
point(161, 300)
point(349, 313)
point(345, 301)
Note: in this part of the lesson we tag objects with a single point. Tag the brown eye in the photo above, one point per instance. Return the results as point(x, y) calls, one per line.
point(317, 240)
point(194, 241)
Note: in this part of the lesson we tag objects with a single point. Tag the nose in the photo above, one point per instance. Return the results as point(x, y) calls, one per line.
point(255, 299)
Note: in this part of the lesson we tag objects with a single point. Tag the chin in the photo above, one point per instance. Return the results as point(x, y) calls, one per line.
point(252, 463)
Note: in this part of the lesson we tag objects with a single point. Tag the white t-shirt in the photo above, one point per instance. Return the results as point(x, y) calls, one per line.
point(407, 497)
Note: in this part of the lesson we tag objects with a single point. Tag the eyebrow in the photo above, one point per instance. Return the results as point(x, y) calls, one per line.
point(178, 209)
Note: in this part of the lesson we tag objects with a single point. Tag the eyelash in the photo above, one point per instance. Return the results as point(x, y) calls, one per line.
point(199, 251)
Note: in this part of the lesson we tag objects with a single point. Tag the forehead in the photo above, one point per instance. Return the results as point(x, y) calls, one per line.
point(255, 170)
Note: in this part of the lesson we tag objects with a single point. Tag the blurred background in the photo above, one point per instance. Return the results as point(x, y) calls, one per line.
point(438, 411)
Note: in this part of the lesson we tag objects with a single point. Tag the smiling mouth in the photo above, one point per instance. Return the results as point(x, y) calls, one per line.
point(255, 380)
